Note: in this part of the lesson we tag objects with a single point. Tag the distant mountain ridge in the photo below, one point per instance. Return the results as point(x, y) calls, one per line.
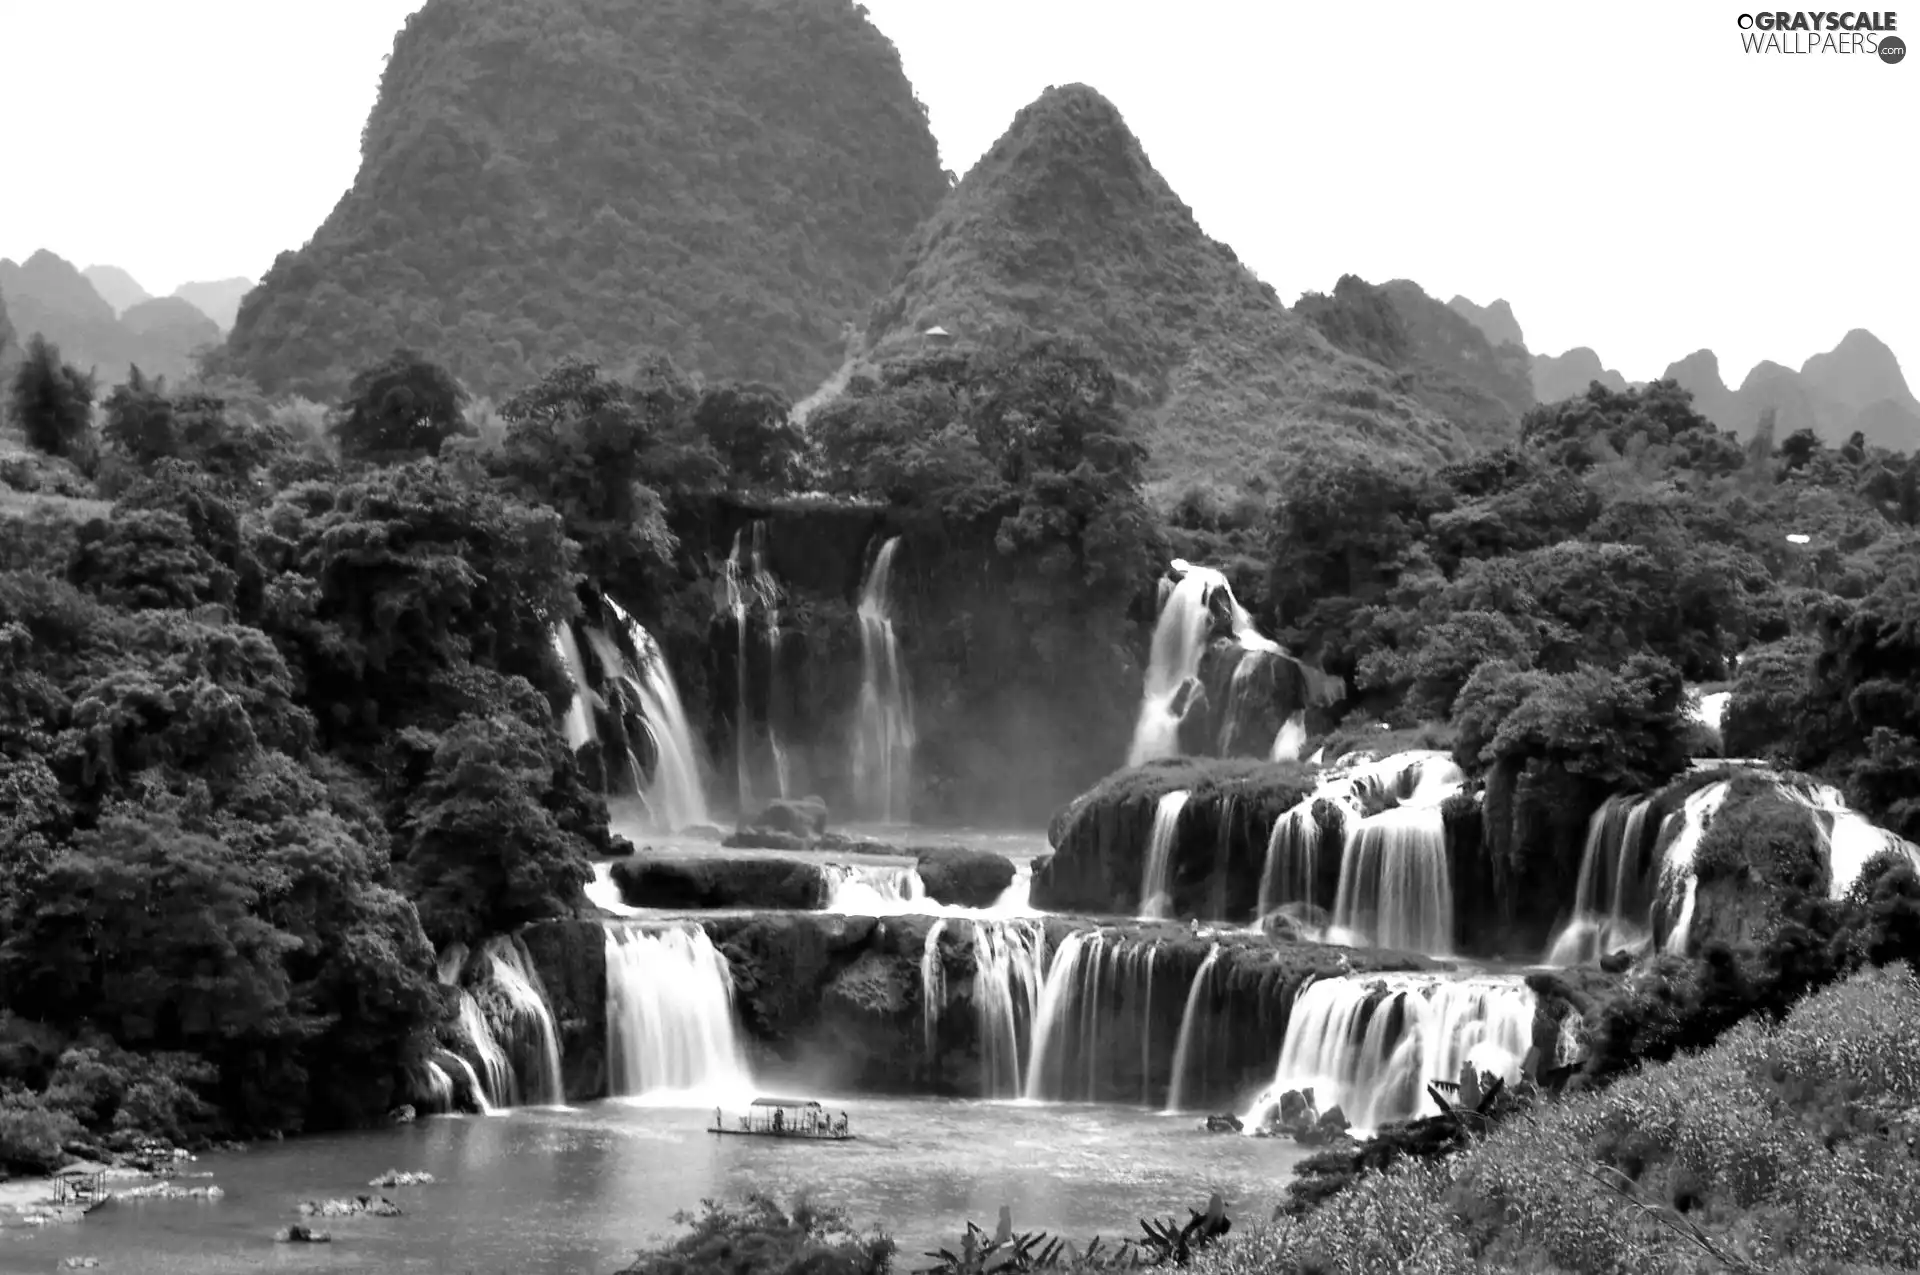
point(726, 181)
point(1857, 386)
point(1065, 226)
point(46, 294)
point(116, 287)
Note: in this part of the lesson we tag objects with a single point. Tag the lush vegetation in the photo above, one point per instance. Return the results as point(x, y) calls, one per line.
point(1780, 1149)
point(283, 721)
point(1064, 226)
point(593, 180)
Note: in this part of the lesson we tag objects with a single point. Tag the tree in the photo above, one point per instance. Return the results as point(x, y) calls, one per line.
point(400, 408)
point(52, 401)
point(751, 427)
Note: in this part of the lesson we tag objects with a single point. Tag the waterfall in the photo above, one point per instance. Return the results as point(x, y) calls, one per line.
point(1291, 871)
point(1394, 883)
point(1188, 1017)
point(670, 1018)
point(883, 736)
point(747, 581)
point(1155, 901)
point(529, 1023)
point(1291, 738)
point(674, 793)
point(431, 1087)
point(446, 1059)
point(933, 989)
point(1852, 841)
point(604, 892)
point(1008, 959)
point(1096, 1002)
point(1394, 888)
point(1371, 1044)
point(518, 1046)
point(1610, 900)
point(581, 730)
point(866, 890)
point(1678, 886)
point(1179, 641)
point(1708, 710)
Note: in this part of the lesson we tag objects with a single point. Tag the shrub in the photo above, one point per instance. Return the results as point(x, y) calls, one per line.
point(758, 1237)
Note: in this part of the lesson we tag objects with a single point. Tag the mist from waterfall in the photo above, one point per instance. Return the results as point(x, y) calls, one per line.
point(671, 1034)
point(1611, 897)
point(883, 736)
point(1370, 1044)
point(1179, 640)
point(1290, 739)
point(1157, 881)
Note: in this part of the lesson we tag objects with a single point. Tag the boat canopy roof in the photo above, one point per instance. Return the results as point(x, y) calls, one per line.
point(785, 1102)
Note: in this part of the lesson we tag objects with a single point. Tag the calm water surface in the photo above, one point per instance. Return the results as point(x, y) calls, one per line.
point(560, 1192)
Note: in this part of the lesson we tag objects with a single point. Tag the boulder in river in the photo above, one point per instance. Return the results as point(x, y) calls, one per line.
point(707, 881)
point(301, 1235)
point(961, 876)
point(804, 817)
point(369, 1205)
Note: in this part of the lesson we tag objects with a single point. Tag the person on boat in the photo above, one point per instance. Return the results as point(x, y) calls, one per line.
point(779, 1123)
point(716, 1119)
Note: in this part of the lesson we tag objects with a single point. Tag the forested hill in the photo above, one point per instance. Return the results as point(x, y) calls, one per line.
point(1064, 226)
point(728, 181)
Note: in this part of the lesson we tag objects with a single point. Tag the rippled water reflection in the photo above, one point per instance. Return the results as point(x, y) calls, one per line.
point(572, 1191)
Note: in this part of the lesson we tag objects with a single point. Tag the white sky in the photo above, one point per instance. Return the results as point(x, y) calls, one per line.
point(1623, 173)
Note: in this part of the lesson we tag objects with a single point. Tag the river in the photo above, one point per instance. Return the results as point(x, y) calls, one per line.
point(575, 1191)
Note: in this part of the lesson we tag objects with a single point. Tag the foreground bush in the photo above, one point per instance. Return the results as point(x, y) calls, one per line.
point(758, 1237)
point(1783, 1148)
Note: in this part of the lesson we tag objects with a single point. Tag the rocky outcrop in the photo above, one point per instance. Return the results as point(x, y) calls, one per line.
point(705, 881)
point(805, 817)
point(571, 957)
point(962, 876)
point(1533, 831)
point(1219, 850)
point(1761, 850)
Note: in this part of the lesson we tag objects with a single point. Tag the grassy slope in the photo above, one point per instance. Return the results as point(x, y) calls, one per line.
point(1783, 1148)
point(1064, 225)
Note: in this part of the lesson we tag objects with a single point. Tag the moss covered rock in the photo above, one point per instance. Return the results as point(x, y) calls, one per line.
point(720, 881)
point(1219, 850)
point(962, 876)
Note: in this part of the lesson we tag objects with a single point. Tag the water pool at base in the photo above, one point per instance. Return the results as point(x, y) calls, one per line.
point(575, 1192)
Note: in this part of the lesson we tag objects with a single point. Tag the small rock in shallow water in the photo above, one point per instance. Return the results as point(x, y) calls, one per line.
point(400, 1177)
point(301, 1235)
point(372, 1206)
point(78, 1263)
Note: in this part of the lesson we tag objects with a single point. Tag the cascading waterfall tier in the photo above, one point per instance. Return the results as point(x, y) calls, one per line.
point(1637, 886)
point(1394, 887)
point(1189, 609)
point(504, 1017)
point(671, 1031)
point(579, 725)
point(1094, 1021)
point(1189, 1019)
point(1010, 958)
point(883, 736)
point(864, 889)
point(1611, 898)
point(1157, 879)
point(1371, 1044)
